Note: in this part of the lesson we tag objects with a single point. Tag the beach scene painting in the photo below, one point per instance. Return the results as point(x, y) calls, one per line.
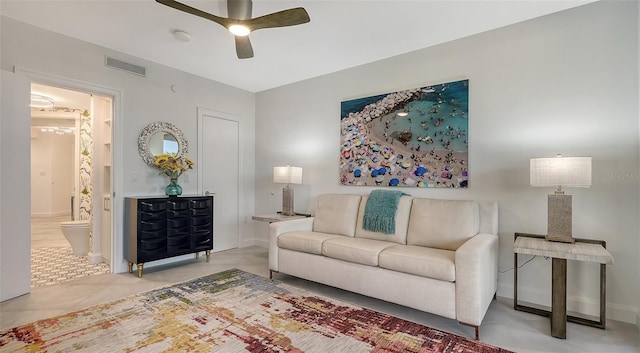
point(413, 138)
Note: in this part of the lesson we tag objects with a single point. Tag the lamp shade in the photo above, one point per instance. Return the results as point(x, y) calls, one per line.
point(560, 171)
point(287, 175)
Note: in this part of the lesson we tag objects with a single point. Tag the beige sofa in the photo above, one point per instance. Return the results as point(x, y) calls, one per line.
point(442, 258)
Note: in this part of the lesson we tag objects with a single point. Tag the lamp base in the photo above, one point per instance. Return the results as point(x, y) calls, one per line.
point(287, 201)
point(559, 219)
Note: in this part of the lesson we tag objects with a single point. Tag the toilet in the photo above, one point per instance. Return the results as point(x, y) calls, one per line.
point(77, 234)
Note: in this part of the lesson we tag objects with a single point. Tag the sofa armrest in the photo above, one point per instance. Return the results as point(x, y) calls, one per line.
point(277, 228)
point(476, 277)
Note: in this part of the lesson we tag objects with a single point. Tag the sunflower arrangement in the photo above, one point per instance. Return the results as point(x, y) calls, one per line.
point(173, 166)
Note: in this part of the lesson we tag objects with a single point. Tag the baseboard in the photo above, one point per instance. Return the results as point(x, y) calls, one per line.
point(94, 258)
point(263, 243)
point(50, 214)
point(638, 319)
point(576, 304)
point(247, 242)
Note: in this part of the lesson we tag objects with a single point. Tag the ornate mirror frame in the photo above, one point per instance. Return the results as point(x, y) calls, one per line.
point(160, 127)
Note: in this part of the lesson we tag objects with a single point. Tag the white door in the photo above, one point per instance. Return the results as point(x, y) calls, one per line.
point(219, 160)
point(15, 189)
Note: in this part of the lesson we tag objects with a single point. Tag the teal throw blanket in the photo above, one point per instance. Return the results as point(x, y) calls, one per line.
point(380, 211)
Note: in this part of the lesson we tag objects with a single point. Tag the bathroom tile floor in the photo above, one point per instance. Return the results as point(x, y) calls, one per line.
point(504, 327)
point(54, 265)
point(52, 260)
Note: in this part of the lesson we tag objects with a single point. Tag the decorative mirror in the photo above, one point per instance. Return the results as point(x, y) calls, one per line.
point(159, 138)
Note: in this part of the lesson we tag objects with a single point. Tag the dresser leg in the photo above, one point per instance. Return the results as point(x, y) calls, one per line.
point(208, 252)
point(130, 267)
point(559, 298)
point(140, 270)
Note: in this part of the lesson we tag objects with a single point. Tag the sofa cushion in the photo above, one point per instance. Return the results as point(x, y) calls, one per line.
point(420, 261)
point(309, 242)
point(442, 224)
point(336, 214)
point(358, 250)
point(402, 222)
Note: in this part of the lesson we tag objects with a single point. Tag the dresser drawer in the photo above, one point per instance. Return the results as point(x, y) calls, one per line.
point(155, 225)
point(153, 244)
point(160, 233)
point(178, 205)
point(202, 240)
point(178, 223)
point(178, 231)
point(153, 206)
point(178, 213)
point(198, 212)
point(151, 216)
point(177, 243)
point(201, 203)
point(200, 221)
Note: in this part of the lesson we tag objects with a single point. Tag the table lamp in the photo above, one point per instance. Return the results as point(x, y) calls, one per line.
point(287, 175)
point(558, 172)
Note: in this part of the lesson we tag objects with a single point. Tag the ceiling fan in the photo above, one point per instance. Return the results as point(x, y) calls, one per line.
point(240, 22)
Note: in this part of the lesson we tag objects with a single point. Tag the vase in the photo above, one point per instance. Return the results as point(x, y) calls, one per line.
point(173, 189)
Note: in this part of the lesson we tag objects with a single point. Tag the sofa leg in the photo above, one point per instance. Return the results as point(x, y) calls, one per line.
point(477, 328)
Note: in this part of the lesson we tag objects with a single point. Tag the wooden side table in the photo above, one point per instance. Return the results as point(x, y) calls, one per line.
point(582, 250)
point(276, 217)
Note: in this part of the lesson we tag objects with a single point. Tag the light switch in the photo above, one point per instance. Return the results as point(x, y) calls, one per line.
point(134, 176)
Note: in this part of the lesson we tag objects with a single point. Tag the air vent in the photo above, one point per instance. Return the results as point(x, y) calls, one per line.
point(124, 66)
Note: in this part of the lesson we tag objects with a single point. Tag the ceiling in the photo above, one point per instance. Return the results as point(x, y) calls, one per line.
point(341, 34)
point(73, 101)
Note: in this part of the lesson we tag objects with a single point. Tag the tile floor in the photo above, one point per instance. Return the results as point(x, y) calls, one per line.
point(52, 260)
point(55, 265)
point(502, 326)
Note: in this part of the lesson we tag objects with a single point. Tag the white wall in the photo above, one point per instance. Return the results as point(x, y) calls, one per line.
point(142, 101)
point(51, 174)
point(62, 172)
point(565, 83)
point(40, 176)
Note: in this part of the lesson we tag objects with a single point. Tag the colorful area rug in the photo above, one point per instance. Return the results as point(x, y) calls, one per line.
point(232, 311)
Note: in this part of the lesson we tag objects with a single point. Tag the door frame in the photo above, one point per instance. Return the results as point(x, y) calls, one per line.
point(117, 263)
point(202, 112)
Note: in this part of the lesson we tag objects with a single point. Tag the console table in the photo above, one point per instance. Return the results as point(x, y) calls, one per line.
point(160, 227)
point(277, 217)
point(582, 250)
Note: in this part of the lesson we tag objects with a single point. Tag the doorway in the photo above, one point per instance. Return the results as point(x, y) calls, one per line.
point(70, 184)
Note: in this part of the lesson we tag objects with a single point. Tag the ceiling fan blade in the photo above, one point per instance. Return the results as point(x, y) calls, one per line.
point(290, 17)
point(239, 9)
point(243, 47)
point(225, 22)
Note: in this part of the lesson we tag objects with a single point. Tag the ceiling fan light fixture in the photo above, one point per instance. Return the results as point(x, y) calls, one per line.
point(239, 30)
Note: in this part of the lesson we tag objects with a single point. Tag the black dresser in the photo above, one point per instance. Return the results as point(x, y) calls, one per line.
point(160, 227)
